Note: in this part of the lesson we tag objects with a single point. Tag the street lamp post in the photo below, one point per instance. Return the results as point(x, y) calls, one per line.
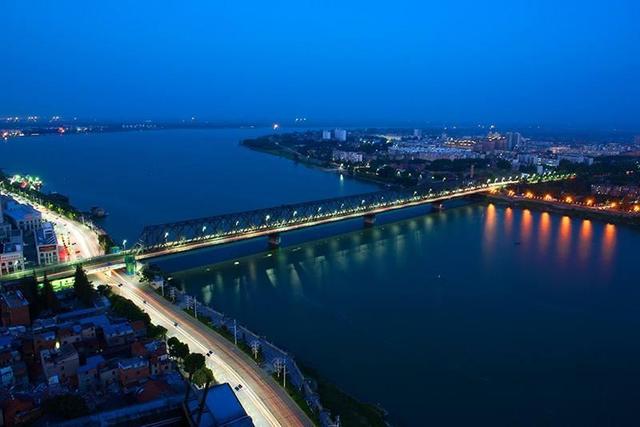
point(235, 332)
point(124, 244)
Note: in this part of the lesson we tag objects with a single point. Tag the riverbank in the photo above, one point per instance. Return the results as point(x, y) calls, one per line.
point(574, 211)
point(320, 399)
point(318, 164)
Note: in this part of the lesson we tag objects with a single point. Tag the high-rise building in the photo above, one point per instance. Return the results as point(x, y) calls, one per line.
point(417, 133)
point(340, 134)
point(326, 134)
point(513, 140)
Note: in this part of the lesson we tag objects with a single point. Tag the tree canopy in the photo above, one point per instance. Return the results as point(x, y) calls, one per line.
point(82, 286)
point(49, 297)
point(177, 349)
point(203, 376)
point(193, 362)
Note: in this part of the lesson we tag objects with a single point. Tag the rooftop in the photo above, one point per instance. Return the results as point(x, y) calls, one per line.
point(46, 235)
point(99, 320)
point(225, 408)
point(65, 352)
point(92, 363)
point(132, 363)
point(19, 212)
point(14, 299)
point(10, 248)
point(118, 329)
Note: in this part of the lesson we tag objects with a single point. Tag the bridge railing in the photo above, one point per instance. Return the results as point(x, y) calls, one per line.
point(188, 232)
point(261, 220)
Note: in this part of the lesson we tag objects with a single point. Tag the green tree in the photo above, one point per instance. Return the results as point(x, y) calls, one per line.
point(29, 289)
point(106, 242)
point(128, 309)
point(104, 290)
point(49, 297)
point(82, 286)
point(203, 376)
point(192, 363)
point(156, 331)
point(177, 349)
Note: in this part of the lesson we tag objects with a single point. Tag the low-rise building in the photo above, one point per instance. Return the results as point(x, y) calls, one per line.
point(132, 370)
point(118, 334)
point(14, 309)
point(109, 373)
point(222, 408)
point(156, 353)
point(45, 340)
point(11, 257)
point(89, 373)
point(23, 217)
point(46, 244)
point(5, 227)
point(346, 156)
point(61, 364)
point(70, 334)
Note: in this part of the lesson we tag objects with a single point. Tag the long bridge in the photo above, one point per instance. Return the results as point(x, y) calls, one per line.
point(182, 236)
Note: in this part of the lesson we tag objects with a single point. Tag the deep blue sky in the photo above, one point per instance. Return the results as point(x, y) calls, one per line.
point(549, 62)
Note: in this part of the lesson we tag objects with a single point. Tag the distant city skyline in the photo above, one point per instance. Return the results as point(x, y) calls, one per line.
point(575, 64)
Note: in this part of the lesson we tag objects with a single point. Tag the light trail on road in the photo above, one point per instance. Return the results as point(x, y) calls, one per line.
point(265, 401)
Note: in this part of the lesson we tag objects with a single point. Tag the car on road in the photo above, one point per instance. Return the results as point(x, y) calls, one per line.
point(120, 285)
point(175, 324)
point(238, 387)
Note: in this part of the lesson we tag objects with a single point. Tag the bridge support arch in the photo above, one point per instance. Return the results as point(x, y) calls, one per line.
point(274, 240)
point(369, 220)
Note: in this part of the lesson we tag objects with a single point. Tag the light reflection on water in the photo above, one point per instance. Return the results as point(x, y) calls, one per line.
point(466, 299)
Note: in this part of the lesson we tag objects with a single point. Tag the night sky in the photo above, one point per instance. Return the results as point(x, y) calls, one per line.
point(545, 62)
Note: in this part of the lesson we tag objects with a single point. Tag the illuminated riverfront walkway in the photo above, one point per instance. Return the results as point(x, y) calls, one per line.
point(182, 236)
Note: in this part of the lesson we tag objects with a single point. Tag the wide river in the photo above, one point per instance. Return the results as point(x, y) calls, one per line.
point(478, 315)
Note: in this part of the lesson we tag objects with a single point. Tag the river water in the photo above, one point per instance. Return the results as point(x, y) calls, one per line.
point(478, 315)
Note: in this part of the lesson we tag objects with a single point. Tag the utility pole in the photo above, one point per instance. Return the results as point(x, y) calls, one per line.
point(235, 332)
point(255, 346)
point(284, 376)
point(278, 364)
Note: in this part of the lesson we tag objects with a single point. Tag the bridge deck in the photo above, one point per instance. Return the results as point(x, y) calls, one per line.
point(163, 239)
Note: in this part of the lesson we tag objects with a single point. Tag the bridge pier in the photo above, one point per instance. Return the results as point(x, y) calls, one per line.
point(274, 240)
point(437, 207)
point(369, 220)
point(130, 264)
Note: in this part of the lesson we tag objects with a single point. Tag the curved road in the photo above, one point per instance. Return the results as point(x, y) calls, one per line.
point(265, 401)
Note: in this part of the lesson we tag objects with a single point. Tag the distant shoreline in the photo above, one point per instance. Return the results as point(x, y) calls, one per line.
point(63, 129)
point(316, 164)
